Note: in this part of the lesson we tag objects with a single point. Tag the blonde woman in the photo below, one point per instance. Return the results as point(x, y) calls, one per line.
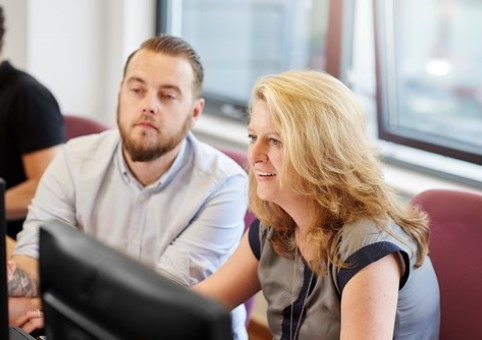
point(336, 255)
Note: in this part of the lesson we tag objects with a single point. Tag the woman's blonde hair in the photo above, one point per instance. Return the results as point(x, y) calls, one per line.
point(329, 159)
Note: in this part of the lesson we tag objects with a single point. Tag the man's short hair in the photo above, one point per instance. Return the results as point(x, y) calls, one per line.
point(175, 47)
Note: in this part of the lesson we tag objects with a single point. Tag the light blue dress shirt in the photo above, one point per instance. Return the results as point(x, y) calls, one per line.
point(184, 226)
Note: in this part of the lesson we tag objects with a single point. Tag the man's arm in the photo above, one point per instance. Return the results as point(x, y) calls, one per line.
point(49, 203)
point(23, 312)
point(210, 238)
point(10, 246)
point(23, 277)
point(24, 280)
point(18, 198)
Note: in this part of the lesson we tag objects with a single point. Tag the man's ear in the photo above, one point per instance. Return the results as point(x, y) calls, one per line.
point(198, 108)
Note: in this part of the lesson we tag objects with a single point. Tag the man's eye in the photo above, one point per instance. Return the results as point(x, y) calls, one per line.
point(168, 96)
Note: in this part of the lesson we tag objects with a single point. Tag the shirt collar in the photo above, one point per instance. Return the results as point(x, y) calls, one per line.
point(128, 177)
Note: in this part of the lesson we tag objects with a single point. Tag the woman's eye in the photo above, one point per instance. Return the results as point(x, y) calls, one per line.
point(251, 138)
point(274, 141)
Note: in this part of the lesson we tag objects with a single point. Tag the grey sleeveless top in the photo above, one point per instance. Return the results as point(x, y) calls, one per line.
point(306, 306)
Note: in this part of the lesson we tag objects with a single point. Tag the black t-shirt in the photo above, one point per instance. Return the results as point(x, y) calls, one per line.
point(30, 120)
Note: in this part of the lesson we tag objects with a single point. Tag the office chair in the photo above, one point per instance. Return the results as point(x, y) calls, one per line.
point(456, 253)
point(241, 158)
point(76, 126)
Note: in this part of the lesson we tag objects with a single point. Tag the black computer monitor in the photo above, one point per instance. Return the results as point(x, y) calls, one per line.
point(90, 291)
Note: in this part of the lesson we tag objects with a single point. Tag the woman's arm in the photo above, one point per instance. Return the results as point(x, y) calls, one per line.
point(369, 300)
point(236, 280)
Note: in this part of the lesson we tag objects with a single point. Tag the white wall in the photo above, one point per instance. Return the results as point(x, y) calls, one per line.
point(77, 48)
point(16, 25)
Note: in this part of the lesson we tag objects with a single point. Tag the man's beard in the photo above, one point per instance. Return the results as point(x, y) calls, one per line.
point(142, 152)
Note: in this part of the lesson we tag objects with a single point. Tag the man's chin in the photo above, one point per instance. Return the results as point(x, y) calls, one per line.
point(143, 152)
point(146, 155)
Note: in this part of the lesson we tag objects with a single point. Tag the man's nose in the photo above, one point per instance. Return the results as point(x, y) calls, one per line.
point(150, 104)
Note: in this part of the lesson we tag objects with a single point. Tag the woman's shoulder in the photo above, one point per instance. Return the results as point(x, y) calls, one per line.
point(365, 232)
point(258, 235)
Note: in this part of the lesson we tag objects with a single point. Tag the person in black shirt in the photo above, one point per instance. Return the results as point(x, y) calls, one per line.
point(31, 131)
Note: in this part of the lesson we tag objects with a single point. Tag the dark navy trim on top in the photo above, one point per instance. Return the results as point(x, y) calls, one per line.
point(369, 254)
point(289, 325)
point(254, 240)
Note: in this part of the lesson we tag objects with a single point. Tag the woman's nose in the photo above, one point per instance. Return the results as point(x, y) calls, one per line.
point(256, 153)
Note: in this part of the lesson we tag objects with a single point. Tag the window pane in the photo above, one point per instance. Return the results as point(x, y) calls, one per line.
point(241, 40)
point(434, 98)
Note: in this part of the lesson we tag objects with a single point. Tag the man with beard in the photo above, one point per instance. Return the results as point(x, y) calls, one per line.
point(148, 189)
